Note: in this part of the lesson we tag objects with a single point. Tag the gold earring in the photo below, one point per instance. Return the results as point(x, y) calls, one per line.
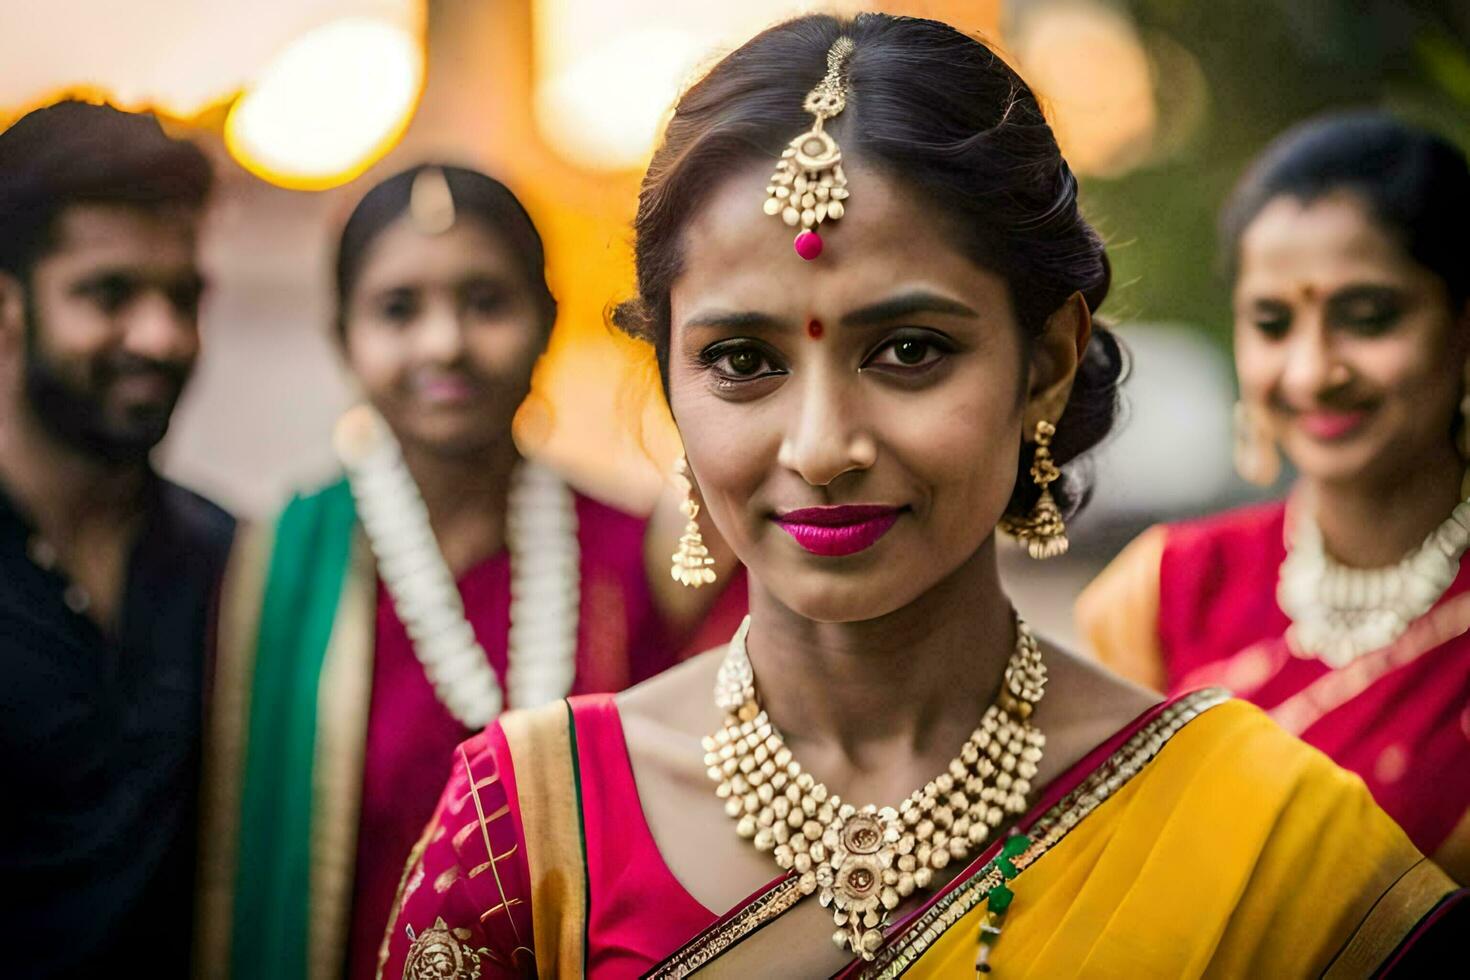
point(1042, 531)
point(691, 563)
point(1462, 435)
point(1256, 458)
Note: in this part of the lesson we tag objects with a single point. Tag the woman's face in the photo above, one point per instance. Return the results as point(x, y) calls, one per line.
point(1347, 346)
point(854, 422)
point(442, 331)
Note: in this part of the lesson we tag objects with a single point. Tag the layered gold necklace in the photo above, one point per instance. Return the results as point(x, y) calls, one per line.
point(865, 860)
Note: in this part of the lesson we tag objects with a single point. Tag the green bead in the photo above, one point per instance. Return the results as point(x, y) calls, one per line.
point(1000, 898)
point(1006, 867)
point(1015, 846)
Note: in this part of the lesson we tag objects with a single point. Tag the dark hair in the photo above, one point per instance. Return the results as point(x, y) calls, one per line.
point(940, 112)
point(1415, 183)
point(476, 196)
point(78, 153)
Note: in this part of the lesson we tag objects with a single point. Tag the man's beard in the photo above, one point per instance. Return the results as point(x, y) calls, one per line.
point(77, 416)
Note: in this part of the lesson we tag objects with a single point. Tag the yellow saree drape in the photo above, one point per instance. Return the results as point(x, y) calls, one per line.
point(1237, 851)
point(1203, 841)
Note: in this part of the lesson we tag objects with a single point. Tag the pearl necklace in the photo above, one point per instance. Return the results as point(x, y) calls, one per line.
point(541, 535)
point(1339, 613)
point(866, 860)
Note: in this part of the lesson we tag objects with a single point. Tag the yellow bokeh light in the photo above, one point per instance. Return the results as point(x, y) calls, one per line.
point(605, 110)
point(329, 105)
point(1088, 63)
point(606, 75)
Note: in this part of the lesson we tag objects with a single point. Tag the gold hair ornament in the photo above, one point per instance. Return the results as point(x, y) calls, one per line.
point(808, 186)
point(430, 202)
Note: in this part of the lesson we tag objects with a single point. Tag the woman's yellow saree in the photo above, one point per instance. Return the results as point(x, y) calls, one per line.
point(1201, 840)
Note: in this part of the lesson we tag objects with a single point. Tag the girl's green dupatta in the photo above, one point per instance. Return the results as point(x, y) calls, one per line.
point(308, 566)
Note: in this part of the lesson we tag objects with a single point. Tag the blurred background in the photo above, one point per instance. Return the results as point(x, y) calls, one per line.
point(304, 103)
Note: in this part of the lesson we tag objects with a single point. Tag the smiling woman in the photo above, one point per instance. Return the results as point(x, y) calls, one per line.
point(380, 621)
point(1342, 610)
point(884, 748)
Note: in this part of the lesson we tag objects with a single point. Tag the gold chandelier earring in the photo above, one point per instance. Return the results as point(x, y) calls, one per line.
point(1042, 531)
point(1256, 458)
point(1462, 441)
point(691, 563)
point(1462, 420)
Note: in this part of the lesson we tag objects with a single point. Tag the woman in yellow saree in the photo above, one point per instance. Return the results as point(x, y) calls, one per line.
point(859, 417)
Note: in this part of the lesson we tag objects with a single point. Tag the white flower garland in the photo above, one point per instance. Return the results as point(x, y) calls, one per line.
point(545, 563)
point(1339, 613)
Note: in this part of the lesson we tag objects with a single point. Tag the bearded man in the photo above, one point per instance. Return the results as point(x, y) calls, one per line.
point(108, 572)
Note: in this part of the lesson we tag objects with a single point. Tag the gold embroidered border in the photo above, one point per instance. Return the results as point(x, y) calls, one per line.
point(1048, 831)
point(227, 729)
point(1392, 917)
point(344, 698)
point(770, 906)
point(401, 896)
point(540, 746)
point(492, 858)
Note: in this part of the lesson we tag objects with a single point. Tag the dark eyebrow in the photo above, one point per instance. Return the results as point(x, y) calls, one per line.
point(1365, 290)
point(191, 279)
point(907, 304)
point(744, 320)
point(882, 312)
point(1268, 302)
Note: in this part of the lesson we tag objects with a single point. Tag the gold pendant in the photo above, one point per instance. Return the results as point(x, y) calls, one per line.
point(859, 880)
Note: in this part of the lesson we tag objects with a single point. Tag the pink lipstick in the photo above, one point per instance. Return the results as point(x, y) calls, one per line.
point(1330, 425)
point(445, 388)
point(836, 531)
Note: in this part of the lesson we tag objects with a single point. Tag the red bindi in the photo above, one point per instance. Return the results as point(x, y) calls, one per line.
point(814, 329)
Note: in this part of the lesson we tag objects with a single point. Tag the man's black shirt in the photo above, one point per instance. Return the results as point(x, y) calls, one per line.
point(100, 746)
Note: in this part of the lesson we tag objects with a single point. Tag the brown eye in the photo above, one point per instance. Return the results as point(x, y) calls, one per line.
point(740, 360)
point(1274, 327)
point(1269, 318)
point(1367, 311)
point(744, 362)
point(399, 307)
point(110, 293)
point(910, 352)
point(485, 300)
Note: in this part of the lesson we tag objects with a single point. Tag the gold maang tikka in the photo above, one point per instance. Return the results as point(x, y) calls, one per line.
point(808, 186)
point(430, 202)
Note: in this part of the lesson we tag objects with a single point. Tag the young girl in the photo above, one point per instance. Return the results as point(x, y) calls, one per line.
point(379, 622)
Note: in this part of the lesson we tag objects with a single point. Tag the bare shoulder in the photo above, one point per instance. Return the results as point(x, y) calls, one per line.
point(1086, 703)
point(665, 717)
point(681, 698)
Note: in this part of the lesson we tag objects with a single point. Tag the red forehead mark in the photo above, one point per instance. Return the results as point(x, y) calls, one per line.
point(814, 329)
point(1309, 292)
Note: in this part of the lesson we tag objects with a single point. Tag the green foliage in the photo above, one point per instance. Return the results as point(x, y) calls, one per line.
point(1266, 65)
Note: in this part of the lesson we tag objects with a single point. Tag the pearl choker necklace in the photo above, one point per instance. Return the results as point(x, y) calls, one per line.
point(1339, 613)
point(541, 535)
point(866, 860)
